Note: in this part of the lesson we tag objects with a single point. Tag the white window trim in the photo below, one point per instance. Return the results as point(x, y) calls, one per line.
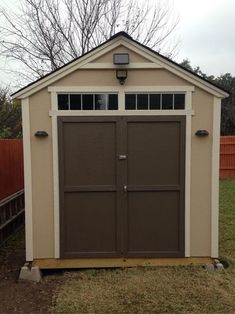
point(116, 89)
point(27, 180)
point(54, 113)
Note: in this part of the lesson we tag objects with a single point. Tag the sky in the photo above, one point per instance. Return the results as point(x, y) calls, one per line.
point(206, 33)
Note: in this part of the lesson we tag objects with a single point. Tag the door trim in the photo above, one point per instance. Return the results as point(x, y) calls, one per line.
point(188, 112)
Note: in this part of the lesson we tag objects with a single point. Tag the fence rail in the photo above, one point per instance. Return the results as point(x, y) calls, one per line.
point(11, 215)
point(11, 167)
point(227, 157)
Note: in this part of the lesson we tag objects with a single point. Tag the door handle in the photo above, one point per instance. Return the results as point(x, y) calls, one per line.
point(125, 188)
point(122, 157)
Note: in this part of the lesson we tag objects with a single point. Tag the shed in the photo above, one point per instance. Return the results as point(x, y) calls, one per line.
point(121, 159)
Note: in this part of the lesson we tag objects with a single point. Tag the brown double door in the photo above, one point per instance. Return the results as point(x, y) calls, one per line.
point(121, 186)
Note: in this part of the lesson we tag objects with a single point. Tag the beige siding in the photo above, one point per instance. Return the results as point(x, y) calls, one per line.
point(42, 177)
point(42, 181)
point(141, 77)
point(201, 175)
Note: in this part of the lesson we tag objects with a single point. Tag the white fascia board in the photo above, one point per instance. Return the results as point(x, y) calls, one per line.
point(177, 70)
point(67, 69)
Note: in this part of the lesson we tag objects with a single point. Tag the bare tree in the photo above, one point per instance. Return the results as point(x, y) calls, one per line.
point(45, 34)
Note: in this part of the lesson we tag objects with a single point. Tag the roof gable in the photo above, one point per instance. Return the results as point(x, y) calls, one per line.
point(142, 55)
point(108, 57)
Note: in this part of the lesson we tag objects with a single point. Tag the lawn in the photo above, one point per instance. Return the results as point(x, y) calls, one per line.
point(227, 220)
point(161, 289)
point(134, 290)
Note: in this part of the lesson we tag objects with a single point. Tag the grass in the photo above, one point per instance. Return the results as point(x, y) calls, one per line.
point(161, 289)
point(227, 220)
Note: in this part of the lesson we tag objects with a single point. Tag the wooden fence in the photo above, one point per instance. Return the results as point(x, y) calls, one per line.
point(11, 215)
point(11, 167)
point(11, 188)
point(227, 157)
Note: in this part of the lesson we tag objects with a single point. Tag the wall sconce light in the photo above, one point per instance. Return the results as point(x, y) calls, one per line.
point(121, 76)
point(41, 134)
point(121, 59)
point(202, 133)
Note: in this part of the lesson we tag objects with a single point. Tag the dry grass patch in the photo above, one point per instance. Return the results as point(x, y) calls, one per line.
point(161, 289)
point(138, 290)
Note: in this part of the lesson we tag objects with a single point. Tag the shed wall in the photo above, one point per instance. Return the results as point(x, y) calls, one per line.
point(42, 159)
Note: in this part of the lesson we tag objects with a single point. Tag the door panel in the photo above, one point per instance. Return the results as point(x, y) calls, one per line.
point(121, 186)
point(153, 223)
point(155, 185)
point(153, 153)
point(91, 218)
point(90, 153)
point(89, 178)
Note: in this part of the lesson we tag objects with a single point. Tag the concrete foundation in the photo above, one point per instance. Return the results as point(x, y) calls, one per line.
point(30, 273)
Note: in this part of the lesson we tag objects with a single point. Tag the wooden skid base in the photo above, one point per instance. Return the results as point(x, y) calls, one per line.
point(118, 262)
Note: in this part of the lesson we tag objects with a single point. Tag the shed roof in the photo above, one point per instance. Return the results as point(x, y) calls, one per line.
point(38, 84)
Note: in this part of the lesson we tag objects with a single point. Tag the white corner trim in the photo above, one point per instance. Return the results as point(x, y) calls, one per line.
point(55, 178)
point(215, 178)
point(188, 104)
point(27, 180)
point(117, 88)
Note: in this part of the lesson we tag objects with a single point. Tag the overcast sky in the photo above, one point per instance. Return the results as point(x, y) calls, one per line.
point(206, 32)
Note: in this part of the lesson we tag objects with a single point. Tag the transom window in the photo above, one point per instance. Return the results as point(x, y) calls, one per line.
point(88, 101)
point(155, 101)
point(109, 101)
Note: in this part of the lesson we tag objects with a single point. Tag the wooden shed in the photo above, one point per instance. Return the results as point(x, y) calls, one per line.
point(121, 159)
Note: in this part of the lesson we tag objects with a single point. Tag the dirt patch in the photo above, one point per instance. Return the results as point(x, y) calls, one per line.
point(23, 297)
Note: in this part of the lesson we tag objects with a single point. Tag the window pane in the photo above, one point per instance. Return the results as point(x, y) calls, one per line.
point(101, 101)
point(63, 102)
point(113, 102)
point(179, 101)
point(130, 101)
point(167, 101)
point(155, 101)
point(75, 102)
point(142, 101)
point(87, 102)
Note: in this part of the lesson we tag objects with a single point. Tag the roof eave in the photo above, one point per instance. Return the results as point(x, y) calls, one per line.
point(29, 89)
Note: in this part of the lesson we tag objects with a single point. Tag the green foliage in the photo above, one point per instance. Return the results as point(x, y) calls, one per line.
point(227, 82)
point(10, 116)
